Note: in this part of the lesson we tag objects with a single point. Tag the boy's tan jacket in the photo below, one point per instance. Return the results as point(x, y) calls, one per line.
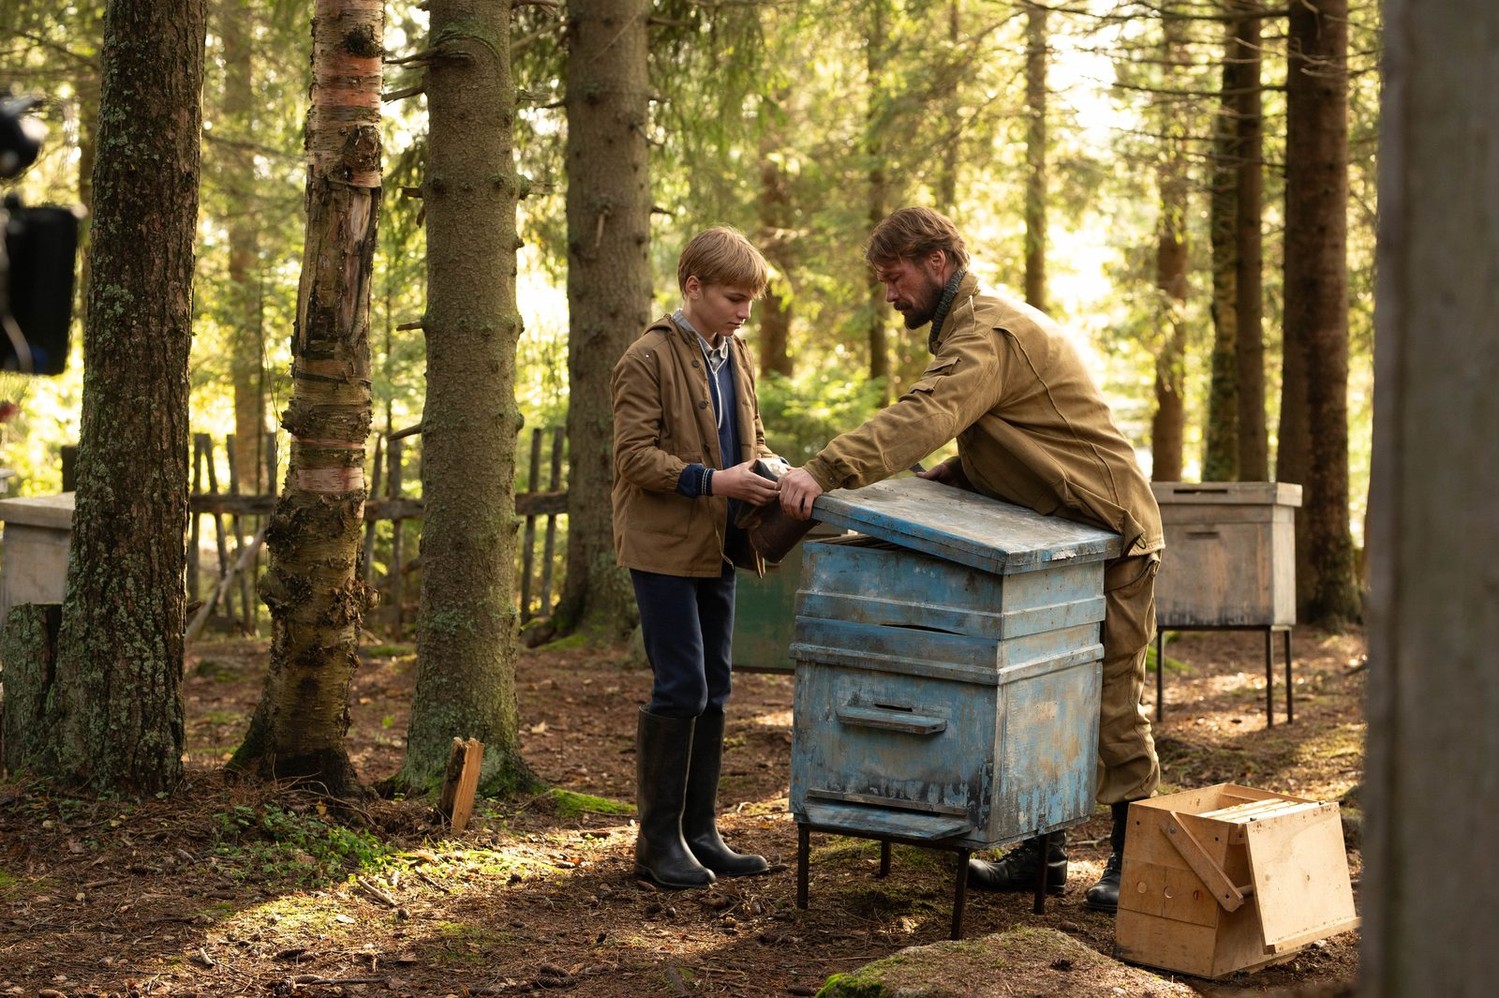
point(663, 421)
point(1032, 429)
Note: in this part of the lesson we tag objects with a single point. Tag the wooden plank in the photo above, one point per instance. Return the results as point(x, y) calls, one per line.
point(243, 564)
point(1209, 872)
point(1300, 871)
point(963, 527)
point(376, 466)
point(528, 536)
point(460, 781)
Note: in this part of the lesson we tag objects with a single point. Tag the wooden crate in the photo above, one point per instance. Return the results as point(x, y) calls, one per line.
point(1230, 878)
point(1230, 558)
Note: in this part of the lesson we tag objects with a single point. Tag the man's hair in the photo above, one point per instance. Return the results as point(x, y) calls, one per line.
point(722, 256)
point(911, 234)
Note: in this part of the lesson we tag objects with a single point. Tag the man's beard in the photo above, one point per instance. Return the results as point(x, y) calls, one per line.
point(921, 312)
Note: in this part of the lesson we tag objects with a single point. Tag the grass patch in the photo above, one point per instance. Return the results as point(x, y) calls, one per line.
point(572, 805)
point(269, 843)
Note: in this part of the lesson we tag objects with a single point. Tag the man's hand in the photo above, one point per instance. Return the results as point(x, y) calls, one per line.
point(744, 483)
point(798, 491)
point(949, 472)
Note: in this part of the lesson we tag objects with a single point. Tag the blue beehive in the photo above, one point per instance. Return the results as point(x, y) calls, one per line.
point(947, 686)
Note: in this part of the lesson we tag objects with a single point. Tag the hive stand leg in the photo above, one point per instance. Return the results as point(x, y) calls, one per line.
point(1290, 709)
point(803, 846)
point(1160, 674)
point(960, 895)
point(1040, 906)
point(884, 857)
point(1270, 678)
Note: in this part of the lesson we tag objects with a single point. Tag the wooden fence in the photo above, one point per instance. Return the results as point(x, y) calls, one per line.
point(221, 590)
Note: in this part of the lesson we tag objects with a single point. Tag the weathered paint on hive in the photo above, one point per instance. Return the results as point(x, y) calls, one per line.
point(942, 697)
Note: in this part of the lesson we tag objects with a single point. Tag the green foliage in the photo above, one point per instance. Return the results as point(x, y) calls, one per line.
point(801, 414)
point(269, 843)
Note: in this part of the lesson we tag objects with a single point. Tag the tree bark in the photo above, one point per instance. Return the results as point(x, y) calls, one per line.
point(1433, 706)
point(117, 705)
point(777, 235)
point(1169, 423)
point(1220, 451)
point(877, 193)
point(608, 287)
point(1035, 154)
point(467, 629)
point(235, 23)
point(1220, 438)
point(1249, 257)
point(1316, 307)
point(312, 588)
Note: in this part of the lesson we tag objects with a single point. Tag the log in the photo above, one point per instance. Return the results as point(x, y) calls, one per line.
point(465, 758)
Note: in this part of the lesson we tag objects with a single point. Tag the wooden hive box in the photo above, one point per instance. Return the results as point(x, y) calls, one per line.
point(1230, 558)
point(1230, 878)
point(947, 681)
point(37, 536)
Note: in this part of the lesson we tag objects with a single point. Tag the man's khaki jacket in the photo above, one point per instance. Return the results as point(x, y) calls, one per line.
point(1032, 428)
point(663, 421)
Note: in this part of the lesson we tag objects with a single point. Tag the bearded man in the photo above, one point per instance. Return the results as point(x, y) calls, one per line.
point(1032, 429)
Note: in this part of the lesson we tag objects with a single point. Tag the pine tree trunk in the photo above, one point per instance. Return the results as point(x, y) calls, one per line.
point(1035, 155)
point(235, 23)
point(777, 222)
point(877, 194)
point(1169, 424)
point(467, 630)
point(117, 705)
point(608, 287)
point(1316, 293)
point(1249, 340)
point(1430, 875)
point(1220, 452)
point(312, 588)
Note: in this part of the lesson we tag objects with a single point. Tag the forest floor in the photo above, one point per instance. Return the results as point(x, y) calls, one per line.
point(227, 889)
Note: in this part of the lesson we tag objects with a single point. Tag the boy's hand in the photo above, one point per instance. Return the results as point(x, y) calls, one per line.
point(744, 483)
point(798, 491)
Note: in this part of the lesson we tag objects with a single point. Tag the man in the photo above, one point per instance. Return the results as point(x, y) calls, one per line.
point(1032, 429)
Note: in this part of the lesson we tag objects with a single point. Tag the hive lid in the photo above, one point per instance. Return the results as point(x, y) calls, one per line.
point(964, 527)
point(55, 511)
point(1227, 493)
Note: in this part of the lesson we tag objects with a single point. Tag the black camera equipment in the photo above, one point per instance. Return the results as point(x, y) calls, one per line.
point(37, 258)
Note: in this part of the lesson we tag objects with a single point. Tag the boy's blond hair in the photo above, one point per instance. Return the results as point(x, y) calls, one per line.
point(722, 256)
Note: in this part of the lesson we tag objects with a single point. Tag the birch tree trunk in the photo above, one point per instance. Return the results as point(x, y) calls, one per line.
point(467, 629)
point(312, 588)
point(117, 704)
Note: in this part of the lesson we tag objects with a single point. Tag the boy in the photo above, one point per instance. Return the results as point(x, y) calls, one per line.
point(687, 434)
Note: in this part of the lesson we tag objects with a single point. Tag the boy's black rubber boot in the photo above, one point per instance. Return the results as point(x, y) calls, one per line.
point(700, 815)
point(662, 748)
